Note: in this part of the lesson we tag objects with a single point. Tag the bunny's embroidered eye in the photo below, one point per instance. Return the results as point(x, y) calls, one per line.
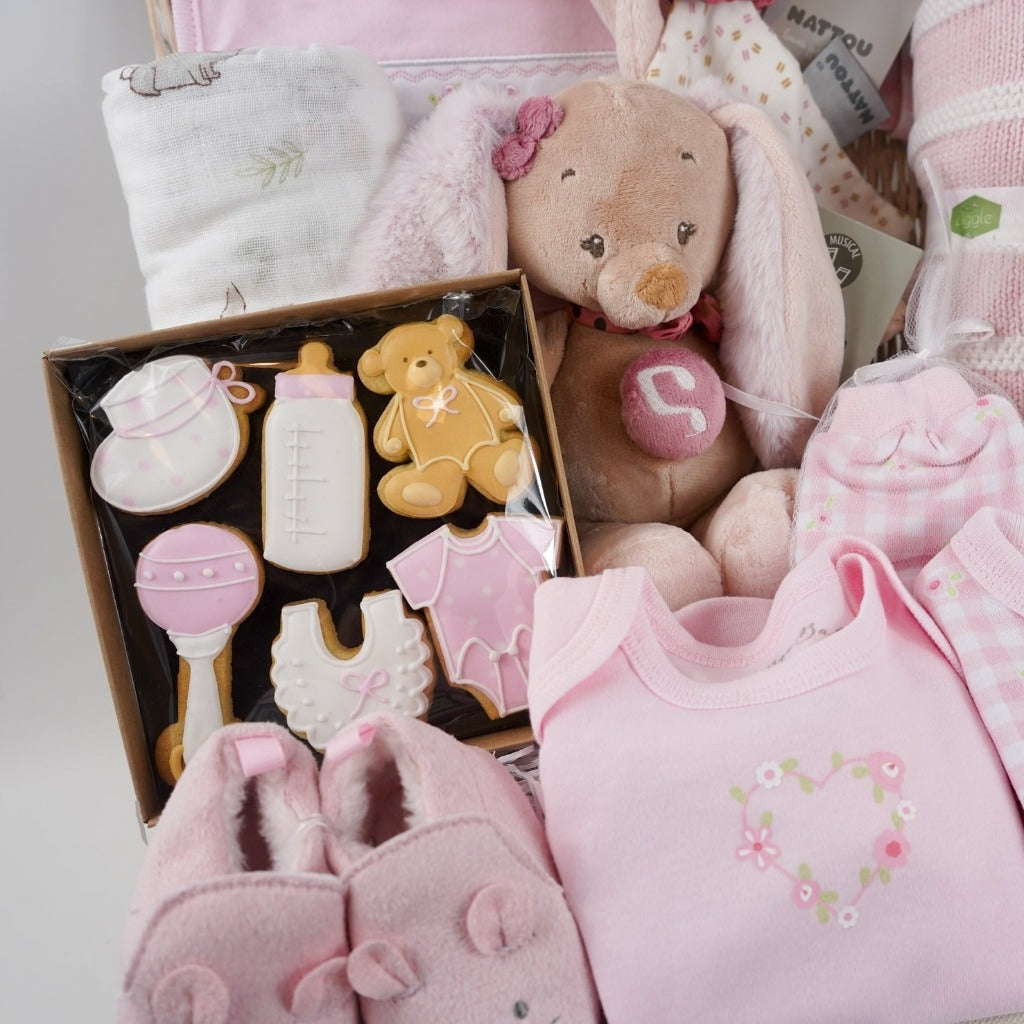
point(568, 173)
point(685, 232)
point(687, 156)
point(521, 1010)
point(594, 245)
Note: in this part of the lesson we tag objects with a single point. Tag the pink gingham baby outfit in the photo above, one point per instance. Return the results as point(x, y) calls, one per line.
point(974, 589)
point(904, 464)
point(776, 810)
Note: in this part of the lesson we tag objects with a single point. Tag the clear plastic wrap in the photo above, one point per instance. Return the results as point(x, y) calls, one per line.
point(501, 352)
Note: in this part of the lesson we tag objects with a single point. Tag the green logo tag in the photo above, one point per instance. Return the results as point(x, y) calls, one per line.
point(975, 216)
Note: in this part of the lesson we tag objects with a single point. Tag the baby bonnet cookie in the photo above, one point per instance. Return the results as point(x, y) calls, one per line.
point(179, 429)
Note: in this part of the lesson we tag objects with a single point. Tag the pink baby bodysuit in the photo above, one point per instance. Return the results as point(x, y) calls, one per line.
point(974, 589)
point(479, 591)
point(783, 810)
point(904, 464)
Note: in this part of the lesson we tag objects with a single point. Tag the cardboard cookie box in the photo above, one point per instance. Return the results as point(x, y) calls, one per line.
point(125, 413)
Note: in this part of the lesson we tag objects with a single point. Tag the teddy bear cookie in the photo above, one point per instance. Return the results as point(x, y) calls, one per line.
point(198, 582)
point(180, 427)
point(449, 427)
point(321, 685)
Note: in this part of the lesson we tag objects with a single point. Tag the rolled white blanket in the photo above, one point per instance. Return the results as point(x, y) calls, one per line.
point(247, 175)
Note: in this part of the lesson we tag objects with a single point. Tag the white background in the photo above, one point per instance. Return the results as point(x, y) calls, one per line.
point(69, 844)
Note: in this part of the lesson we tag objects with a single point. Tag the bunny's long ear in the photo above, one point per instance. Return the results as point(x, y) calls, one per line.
point(636, 26)
point(781, 302)
point(440, 212)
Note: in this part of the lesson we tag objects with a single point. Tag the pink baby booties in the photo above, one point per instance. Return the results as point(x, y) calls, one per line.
point(454, 913)
point(968, 140)
point(235, 920)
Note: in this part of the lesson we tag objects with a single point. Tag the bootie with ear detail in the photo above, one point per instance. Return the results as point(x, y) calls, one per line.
point(454, 912)
point(236, 919)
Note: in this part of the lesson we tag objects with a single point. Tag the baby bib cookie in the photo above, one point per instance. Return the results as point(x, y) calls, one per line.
point(322, 686)
point(449, 427)
point(315, 468)
point(180, 427)
point(478, 590)
point(198, 582)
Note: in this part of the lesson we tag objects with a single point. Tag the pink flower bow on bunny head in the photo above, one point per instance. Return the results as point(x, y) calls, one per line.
point(537, 118)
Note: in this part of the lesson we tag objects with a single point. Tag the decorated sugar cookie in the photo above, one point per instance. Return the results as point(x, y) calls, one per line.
point(322, 686)
point(179, 429)
point(449, 427)
point(198, 582)
point(315, 468)
point(478, 590)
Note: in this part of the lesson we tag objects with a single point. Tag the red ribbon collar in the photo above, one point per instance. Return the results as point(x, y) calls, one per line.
point(706, 317)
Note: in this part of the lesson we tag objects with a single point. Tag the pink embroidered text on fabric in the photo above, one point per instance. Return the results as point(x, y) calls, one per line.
point(479, 590)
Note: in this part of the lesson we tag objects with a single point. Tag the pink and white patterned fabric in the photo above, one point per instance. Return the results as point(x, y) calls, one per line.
point(974, 589)
point(966, 141)
point(904, 464)
point(479, 590)
point(428, 48)
point(776, 810)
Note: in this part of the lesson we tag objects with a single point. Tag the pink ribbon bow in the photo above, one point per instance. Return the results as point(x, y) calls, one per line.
point(537, 118)
point(364, 687)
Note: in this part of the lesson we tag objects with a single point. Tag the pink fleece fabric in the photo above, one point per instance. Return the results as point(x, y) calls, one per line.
point(454, 911)
point(234, 918)
point(776, 810)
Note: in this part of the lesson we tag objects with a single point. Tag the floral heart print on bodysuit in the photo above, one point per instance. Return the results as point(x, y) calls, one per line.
point(854, 815)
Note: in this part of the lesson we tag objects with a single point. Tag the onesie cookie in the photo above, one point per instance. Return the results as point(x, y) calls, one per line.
point(322, 686)
point(315, 468)
point(198, 582)
point(449, 427)
point(180, 427)
point(478, 590)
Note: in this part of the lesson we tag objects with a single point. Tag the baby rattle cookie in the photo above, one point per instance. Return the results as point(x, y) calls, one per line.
point(449, 427)
point(198, 582)
point(322, 686)
point(478, 590)
point(315, 468)
point(179, 429)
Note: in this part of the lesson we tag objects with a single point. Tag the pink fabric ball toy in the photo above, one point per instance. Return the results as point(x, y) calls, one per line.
point(198, 582)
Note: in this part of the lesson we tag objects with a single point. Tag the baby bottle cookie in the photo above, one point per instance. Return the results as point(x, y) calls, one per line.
point(198, 582)
point(322, 686)
point(315, 468)
point(449, 427)
point(179, 429)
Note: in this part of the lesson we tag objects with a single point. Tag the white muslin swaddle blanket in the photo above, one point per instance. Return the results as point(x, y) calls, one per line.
point(248, 174)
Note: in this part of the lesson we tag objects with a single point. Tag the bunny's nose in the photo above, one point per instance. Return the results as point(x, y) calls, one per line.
point(662, 286)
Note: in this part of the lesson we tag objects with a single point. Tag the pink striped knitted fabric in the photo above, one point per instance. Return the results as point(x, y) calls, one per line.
point(904, 464)
point(974, 590)
point(969, 127)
